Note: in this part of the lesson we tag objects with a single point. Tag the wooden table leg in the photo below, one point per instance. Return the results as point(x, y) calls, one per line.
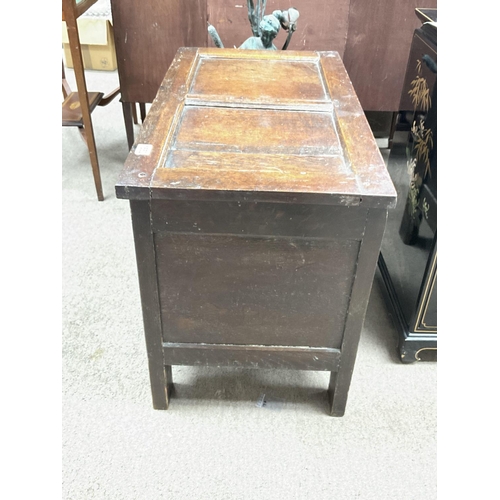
point(367, 264)
point(142, 107)
point(159, 374)
point(129, 122)
point(134, 113)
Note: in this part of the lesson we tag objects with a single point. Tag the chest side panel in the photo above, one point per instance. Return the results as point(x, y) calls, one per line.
point(229, 289)
point(255, 273)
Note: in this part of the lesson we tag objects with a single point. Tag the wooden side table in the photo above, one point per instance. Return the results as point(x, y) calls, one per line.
point(259, 200)
point(78, 106)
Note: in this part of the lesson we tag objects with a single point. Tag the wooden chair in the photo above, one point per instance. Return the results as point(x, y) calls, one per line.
point(78, 106)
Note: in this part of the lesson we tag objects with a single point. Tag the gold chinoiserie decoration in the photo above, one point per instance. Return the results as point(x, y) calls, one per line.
point(419, 92)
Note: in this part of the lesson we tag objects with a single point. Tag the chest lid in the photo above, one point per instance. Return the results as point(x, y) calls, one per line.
point(249, 125)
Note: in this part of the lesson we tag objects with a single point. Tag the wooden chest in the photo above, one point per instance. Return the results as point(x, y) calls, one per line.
point(259, 200)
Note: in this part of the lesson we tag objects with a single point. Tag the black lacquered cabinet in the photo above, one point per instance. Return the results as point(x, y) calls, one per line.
point(408, 258)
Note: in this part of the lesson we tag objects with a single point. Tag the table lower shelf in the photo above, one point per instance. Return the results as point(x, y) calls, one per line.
point(72, 110)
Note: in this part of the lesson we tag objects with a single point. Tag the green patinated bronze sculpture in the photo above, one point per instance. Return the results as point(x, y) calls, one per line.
point(264, 28)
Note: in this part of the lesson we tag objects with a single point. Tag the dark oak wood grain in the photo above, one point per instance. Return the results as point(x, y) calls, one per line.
point(232, 289)
point(259, 215)
point(250, 356)
point(258, 219)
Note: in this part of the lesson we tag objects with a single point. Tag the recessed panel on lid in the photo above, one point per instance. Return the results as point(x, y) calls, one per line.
point(272, 81)
point(243, 130)
point(239, 148)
